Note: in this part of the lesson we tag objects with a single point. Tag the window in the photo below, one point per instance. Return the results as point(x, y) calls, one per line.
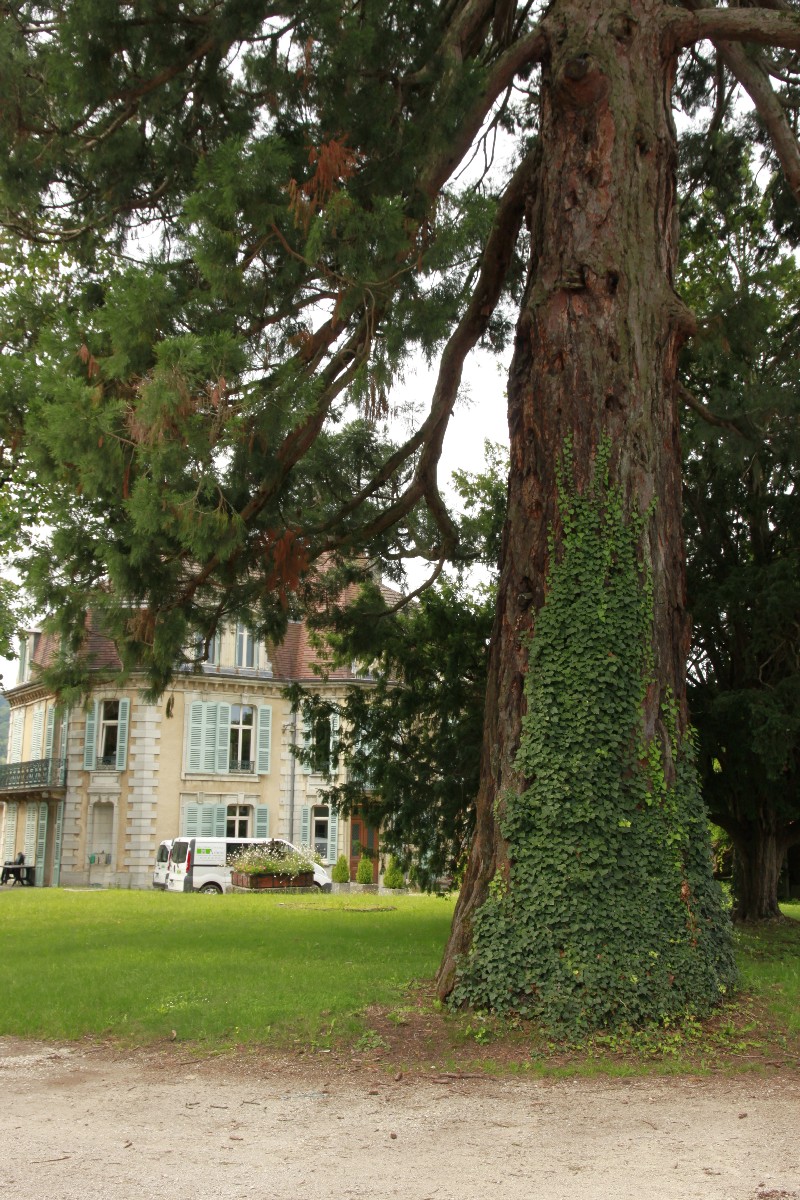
point(321, 740)
point(319, 834)
point(211, 655)
point(105, 744)
point(238, 821)
point(246, 647)
point(319, 830)
point(242, 741)
point(109, 735)
point(224, 738)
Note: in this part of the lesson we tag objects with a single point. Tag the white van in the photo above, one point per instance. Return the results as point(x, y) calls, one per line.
point(162, 865)
point(198, 864)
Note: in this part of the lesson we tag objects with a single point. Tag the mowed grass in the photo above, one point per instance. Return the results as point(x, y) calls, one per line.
point(216, 969)
point(309, 971)
point(769, 964)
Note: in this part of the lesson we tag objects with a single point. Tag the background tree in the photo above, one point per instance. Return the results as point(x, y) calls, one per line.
point(410, 740)
point(743, 527)
point(294, 169)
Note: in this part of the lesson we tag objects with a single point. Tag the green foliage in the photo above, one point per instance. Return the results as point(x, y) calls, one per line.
point(743, 524)
point(410, 735)
point(200, 336)
point(364, 870)
point(393, 875)
point(608, 914)
point(341, 870)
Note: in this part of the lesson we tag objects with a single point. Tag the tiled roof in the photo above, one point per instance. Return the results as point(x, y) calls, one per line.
point(294, 659)
point(99, 649)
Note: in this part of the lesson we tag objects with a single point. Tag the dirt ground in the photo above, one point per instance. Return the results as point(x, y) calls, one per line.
point(86, 1121)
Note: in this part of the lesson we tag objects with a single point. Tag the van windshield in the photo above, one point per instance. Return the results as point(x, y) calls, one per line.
point(179, 852)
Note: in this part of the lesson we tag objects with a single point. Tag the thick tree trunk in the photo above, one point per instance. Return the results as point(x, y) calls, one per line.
point(756, 870)
point(595, 358)
point(760, 844)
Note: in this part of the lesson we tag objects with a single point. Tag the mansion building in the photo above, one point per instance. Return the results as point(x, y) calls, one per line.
point(88, 794)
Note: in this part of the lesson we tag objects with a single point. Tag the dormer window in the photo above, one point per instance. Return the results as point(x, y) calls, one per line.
point(246, 647)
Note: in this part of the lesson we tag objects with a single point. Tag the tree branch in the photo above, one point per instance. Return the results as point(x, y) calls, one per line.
point(723, 25)
point(495, 262)
point(710, 417)
point(761, 25)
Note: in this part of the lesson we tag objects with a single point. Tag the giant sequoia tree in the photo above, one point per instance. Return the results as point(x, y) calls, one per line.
point(261, 215)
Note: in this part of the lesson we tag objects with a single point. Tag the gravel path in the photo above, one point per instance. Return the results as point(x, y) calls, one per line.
point(81, 1123)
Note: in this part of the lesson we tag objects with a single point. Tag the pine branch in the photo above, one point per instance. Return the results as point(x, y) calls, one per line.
point(751, 25)
point(496, 260)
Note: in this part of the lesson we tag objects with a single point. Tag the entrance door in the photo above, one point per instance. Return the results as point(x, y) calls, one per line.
point(362, 834)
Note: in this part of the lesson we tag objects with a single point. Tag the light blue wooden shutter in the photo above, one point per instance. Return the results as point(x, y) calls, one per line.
point(333, 834)
point(208, 819)
point(210, 726)
point(264, 740)
point(223, 738)
point(194, 758)
point(57, 840)
point(305, 826)
point(123, 722)
point(191, 820)
point(262, 821)
point(212, 820)
point(41, 844)
point(90, 738)
point(49, 731)
point(15, 735)
point(10, 834)
point(30, 833)
point(37, 728)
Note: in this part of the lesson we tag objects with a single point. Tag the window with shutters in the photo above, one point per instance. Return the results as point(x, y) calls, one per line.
point(228, 738)
point(105, 746)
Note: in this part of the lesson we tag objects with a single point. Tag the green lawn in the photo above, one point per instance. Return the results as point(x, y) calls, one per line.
point(228, 970)
point(221, 969)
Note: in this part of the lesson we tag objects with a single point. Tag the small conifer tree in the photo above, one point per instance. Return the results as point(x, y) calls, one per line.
point(341, 871)
point(393, 876)
point(364, 870)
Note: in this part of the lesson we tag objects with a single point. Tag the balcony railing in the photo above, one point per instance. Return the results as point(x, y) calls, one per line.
point(38, 773)
point(242, 765)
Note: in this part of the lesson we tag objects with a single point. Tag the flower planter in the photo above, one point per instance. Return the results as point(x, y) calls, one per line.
point(260, 883)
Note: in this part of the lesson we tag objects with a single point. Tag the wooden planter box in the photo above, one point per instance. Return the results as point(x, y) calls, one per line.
point(260, 883)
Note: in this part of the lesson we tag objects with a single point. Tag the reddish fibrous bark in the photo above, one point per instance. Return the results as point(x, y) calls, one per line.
point(595, 355)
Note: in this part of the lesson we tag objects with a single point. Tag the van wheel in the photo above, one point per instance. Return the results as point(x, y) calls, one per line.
point(211, 889)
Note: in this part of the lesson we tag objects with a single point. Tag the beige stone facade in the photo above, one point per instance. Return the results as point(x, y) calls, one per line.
point(87, 795)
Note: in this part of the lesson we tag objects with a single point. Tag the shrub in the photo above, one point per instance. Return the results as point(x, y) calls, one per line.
point(274, 859)
point(393, 876)
point(341, 872)
point(364, 870)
